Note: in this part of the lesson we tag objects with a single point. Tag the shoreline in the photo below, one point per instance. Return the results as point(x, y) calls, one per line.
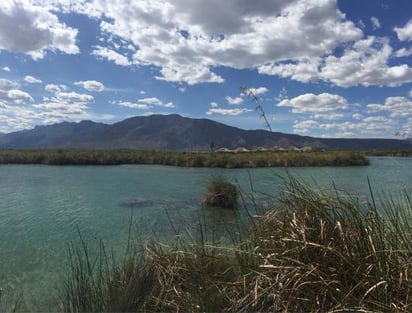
point(256, 159)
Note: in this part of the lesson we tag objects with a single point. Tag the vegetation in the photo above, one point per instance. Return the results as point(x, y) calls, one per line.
point(221, 193)
point(310, 252)
point(393, 153)
point(186, 159)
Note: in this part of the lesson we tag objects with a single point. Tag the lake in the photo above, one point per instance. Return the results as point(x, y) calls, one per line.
point(43, 209)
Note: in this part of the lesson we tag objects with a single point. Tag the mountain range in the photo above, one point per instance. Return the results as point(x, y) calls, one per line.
point(174, 133)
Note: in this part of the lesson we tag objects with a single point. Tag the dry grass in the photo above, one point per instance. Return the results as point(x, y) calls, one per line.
point(311, 252)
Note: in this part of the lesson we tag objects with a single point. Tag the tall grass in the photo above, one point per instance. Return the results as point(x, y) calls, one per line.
point(184, 159)
point(310, 252)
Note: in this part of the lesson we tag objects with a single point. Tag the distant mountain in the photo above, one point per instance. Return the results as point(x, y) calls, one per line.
point(174, 133)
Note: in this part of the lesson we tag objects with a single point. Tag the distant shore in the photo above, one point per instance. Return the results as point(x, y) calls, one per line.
point(254, 159)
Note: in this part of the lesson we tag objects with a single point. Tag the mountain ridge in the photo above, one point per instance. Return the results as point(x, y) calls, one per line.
point(175, 133)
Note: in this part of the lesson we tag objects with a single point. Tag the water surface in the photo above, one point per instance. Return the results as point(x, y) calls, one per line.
point(43, 208)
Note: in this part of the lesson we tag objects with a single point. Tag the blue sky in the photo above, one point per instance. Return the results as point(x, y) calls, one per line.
point(322, 68)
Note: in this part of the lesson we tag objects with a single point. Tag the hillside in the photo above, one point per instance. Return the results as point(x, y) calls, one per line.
point(174, 133)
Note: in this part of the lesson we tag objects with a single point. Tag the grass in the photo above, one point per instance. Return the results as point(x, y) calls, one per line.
point(184, 159)
point(221, 193)
point(310, 252)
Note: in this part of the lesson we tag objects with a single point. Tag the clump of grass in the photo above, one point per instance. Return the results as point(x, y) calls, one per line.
point(310, 252)
point(319, 253)
point(221, 193)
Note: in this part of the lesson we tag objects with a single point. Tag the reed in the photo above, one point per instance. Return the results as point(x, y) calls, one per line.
point(312, 251)
point(184, 159)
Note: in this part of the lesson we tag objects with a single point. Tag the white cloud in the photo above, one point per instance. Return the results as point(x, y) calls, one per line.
point(283, 94)
point(146, 104)
point(155, 102)
point(258, 91)
point(32, 29)
point(357, 116)
point(63, 106)
point(364, 63)
point(404, 33)
point(32, 80)
point(18, 96)
point(73, 97)
point(54, 88)
point(6, 69)
point(403, 52)
point(375, 126)
point(376, 24)
point(10, 94)
point(132, 105)
point(234, 101)
point(214, 104)
point(305, 126)
point(396, 106)
point(91, 85)
point(187, 39)
point(6, 84)
point(111, 55)
point(311, 103)
point(232, 112)
point(328, 116)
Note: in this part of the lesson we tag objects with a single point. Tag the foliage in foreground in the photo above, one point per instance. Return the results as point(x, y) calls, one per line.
point(185, 159)
point(311, 252)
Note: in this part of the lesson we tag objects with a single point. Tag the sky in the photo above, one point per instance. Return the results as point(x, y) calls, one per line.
point(324, 68)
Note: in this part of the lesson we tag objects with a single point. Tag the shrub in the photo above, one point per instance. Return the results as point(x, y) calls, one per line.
point(221, 193)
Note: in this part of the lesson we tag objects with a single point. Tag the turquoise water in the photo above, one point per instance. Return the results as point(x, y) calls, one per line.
point(43, 208)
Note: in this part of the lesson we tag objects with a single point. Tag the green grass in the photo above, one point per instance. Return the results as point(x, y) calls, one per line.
point(310, 252)
point(185, 159)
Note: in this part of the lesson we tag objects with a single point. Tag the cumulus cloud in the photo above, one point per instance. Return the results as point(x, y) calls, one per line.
point(156, 102)
point(403, 52)
point(111, 55)
point(63, 106)
point(6, 69)
point(32, 29)
point(146, 104)
point(396, 106)
point(132, 105)
point(19, 96)
point(6, 84)
point(404, 33)
point(187, 39)
point(54, 88)
point(232, 112)
point(234, 101)
point(258, 91)
point(305, 126)
point(311, 103)
point(91, 85)
point(32, 80)
point(364, 63)
point(373, 126)
point(214, 104)
point(10, 94)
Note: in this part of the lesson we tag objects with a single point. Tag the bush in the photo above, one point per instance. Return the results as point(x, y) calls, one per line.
point(221, 193)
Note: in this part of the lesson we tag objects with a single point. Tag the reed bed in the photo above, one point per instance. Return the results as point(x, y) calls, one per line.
point(184, 159)
point(311, 251)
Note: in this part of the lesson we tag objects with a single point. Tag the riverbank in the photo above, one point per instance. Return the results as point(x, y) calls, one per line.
point(309, 252)
point(184, 159)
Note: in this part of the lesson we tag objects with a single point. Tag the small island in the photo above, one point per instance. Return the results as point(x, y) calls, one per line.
point(214, 159)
